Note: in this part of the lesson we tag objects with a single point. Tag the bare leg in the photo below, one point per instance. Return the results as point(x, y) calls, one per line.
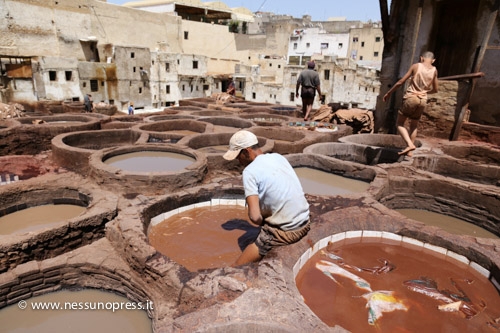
point(405, 135)
point(309, 108)
point(413, 133)
point(250, 254)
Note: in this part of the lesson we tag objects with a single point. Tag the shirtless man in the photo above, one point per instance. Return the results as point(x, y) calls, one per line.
point(423, 81)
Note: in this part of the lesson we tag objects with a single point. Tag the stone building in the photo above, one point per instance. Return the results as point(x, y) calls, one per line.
point(366, 44)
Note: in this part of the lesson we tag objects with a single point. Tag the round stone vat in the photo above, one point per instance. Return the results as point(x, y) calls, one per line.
point(321, 175)
point(205, 235)
point(368, 155)
point(72, 150)
point(195, 102)
point(163, 117)
point(450, 224)
point(47, 235)
point(213, 113)
point(288, 140)
point(216, 144)
point(474, 163)
point(87, 309)
point(383, 279)
point(77, 122)
point(384, 141)
point(31, 139)
point(181, 108)
point(265, 119)
point(289, 111)
point(473, 203)
point(147, 168)
point(176, 128)
point(227, 124)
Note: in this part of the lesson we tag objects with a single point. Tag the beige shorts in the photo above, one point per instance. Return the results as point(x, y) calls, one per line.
point(270, 237)
point(413, 107)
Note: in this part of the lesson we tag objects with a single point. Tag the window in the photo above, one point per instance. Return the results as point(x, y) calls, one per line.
point(292, 97)
point(205, 87)
point(360, 57)
point(167, 67)
point(178, 62)
point(341, 45)
point(94, 85)
point(254, 95)
point(345, 78)
point(327, 74)
point(294, 46)
point(355, 39)
point(186, 34)
point(152, 63)
point(191, 87)
point(52, 75)
point(84, 85)
point(195, 64)
point(377, 39)
point(183, 87)
point(102, 83)
point(68, 75)
point(279, 66)
point(362, 44)
point(168, 89)
point(308, 44)
point(270, 64)
point(324, 45)
point(375, 54)
point(133, 69)
point(140, 90)
point(197, 88)
point(132, 54)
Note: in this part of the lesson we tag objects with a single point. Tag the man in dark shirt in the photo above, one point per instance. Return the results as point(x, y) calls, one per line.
point(309, 80)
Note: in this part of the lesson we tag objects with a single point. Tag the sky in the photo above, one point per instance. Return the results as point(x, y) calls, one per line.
point(320, 10)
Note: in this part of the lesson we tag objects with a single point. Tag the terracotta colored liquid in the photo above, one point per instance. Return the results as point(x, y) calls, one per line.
point(207, 237)
point(214, 149)
point(38, 217)
point(323, 183)
point(150, 161)
point(16, 320)
point(448, 223)
point(341, 303)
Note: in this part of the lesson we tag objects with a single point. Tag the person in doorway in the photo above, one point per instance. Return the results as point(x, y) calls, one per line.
point(310, 83)
point(131, 109)
point(274, 197)
point(231, 88)
point(87, 102)
point(423, 80)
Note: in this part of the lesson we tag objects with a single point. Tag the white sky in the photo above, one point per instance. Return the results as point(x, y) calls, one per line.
point(320, 10)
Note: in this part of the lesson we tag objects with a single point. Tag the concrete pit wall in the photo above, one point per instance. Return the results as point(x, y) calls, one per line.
point(50, 242)
point(72, 150)
point(148, 183)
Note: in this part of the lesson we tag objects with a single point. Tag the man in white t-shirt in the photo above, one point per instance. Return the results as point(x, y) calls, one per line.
point(274, 197)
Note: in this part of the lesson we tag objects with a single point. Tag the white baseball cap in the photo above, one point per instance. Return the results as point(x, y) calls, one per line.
point(240, 140)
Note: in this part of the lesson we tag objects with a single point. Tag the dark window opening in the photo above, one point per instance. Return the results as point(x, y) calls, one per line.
point(84, 85)
point(205, 87)
point(254, 95)
point(195, 64)
point(362, 44)
point(375, 54)
point(327, 74)
point(186, 34)
point(94, 85)
point(168, 89)
point(167, 67)
point(377, 39)
point(102, 83)
point(152, 62)
point(140, 90)
point(292, 97)
point(183, 88)
point(68, 74)
point(345, 77)
point(133, 69)
point(52, 75)
point(132, 54)
point(360, 57)
point(354, 39)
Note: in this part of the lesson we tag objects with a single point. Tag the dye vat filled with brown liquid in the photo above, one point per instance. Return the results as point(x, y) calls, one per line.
point(38, 217)
point(77, 312)
point(447, 223)
point(324, 183)
point(150, 161)
point(205, 237)
point(373, 286)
